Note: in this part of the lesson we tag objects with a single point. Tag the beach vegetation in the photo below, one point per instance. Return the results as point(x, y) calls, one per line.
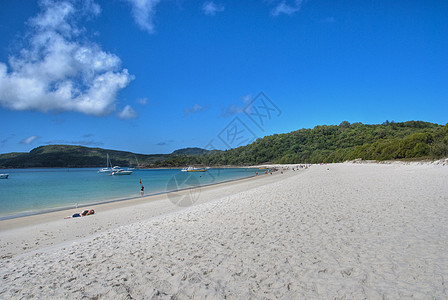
point(323, 143)
point(330, 143)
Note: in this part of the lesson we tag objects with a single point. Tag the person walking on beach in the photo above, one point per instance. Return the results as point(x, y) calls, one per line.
point(142, 190)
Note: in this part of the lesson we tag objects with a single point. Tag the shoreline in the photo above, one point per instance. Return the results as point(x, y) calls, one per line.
point(66, 208)
point(24, 234)
point(356, 231)
point(93, 202)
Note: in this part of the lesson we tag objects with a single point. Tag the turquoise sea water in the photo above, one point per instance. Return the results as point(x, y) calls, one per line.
point(30, 191)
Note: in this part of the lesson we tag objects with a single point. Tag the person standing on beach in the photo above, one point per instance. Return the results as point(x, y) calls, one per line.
point(142, 190)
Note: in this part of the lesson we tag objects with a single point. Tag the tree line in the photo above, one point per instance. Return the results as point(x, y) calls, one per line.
point(323, 143)
point(387, 141)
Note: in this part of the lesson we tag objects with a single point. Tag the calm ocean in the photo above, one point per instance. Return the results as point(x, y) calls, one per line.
point(30, 191)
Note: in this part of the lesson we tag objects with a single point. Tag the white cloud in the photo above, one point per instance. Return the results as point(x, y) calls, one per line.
point(127, 113)
point(92, 7)
point(29, 140)
point(234, 109)
point(78, 142)
point(210, 8)
point(195, 109)
point(59, 73)
point(54, 18)
point(143, 12)
point(288, 9)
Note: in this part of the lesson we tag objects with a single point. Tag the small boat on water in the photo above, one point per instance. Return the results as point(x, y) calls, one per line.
point(121, 172)
point(4, 176)
point(108, 167)
point(193, 169)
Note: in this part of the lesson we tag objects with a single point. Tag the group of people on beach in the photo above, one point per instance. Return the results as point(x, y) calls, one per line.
point(300, 167)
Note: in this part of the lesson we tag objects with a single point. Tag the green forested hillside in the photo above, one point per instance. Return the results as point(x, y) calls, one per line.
point(190, 151)
point(413, 139)
point(78, 156)
point(387, 141)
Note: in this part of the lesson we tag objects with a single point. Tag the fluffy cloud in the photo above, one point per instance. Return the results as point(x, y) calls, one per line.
point(56, 72)
point(143, 12)
point(127, 113)
point(210, 8)
point(288, 9)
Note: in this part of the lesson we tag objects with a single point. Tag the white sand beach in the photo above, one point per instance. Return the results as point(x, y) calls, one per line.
point(337, 231)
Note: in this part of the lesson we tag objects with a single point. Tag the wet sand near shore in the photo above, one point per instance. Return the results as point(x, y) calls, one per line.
point(24, 234)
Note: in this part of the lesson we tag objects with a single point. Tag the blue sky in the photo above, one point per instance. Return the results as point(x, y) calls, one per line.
point(153, 76)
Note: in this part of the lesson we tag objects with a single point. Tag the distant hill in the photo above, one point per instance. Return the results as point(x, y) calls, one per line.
point(333, 143)
point(190, 151)
point(63, 156)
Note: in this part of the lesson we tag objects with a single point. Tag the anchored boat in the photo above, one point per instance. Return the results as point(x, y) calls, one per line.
point(121, 172)
point(108, 167)
point(193, 169)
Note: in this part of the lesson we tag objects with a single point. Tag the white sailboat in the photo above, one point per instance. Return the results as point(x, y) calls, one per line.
point(108, 167)
point(113, 170)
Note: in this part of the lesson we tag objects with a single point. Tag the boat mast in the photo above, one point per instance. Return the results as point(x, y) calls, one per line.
point(138, 165)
